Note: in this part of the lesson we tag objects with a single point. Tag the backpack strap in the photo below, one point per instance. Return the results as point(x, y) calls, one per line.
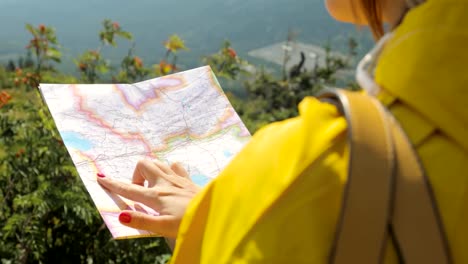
point(387, 189)
point(362, 228)
point(416, 224)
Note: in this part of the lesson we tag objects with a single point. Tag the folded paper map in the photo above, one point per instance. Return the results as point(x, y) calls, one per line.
point(107, 128)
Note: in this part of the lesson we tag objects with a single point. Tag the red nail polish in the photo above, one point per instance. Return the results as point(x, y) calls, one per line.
point(125, 217)
point(101, 175)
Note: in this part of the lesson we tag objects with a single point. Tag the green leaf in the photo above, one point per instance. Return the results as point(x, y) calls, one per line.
point(31, 29)
point(54, 54)
point(124, 34)
point(102, 68)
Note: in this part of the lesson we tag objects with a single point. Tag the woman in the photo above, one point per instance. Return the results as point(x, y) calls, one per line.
point(300, 164)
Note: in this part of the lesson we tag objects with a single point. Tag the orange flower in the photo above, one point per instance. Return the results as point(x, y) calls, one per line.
point(4, 98)
point(165, 67)
point(82, 66)
point(116, 26)
point(19, 72)
point(20, 152)
point(33, 43)
point(42, 28)
point(5, 95)
point(231, 52)
point(138, 62)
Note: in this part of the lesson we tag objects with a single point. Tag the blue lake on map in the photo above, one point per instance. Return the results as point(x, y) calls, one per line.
point(75, 140)
point(227, 153)
point(200, 179)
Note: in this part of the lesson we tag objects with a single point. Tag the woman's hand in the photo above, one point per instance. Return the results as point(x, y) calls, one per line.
point(169, 190)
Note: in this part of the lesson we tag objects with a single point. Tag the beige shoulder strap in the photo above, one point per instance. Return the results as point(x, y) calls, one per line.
point(416, 223)
point(386, 190)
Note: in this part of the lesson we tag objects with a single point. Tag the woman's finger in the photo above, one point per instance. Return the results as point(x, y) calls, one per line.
point(152, 171)
point(179, 170)
point(147, 170)
point(163, 166)
point(130, 191)
point(163, 225)
point(163, 174)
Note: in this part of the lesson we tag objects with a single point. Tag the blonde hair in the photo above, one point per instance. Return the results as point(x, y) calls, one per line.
point(373, 13)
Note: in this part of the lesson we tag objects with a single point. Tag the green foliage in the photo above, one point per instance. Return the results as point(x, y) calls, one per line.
point(110, 31)
point(132, 69)
point(44, 46)
point(46, 215)
point(174, 44)
point(168, 64)
point(270, 98)
point(226, 64)
point(5, 80)
point(91, 65)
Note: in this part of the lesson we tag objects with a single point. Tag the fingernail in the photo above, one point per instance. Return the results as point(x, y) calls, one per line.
point(101, 175)
point(125, 217)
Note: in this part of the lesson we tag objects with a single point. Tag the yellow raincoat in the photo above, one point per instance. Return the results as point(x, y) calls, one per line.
point(278, 201)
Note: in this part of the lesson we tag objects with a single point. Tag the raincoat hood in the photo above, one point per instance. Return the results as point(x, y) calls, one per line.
point(425, 65)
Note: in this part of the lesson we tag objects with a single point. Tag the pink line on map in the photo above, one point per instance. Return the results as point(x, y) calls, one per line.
point(90, 159)
point(229, 118)
point(142, 97)
point(93, 117)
